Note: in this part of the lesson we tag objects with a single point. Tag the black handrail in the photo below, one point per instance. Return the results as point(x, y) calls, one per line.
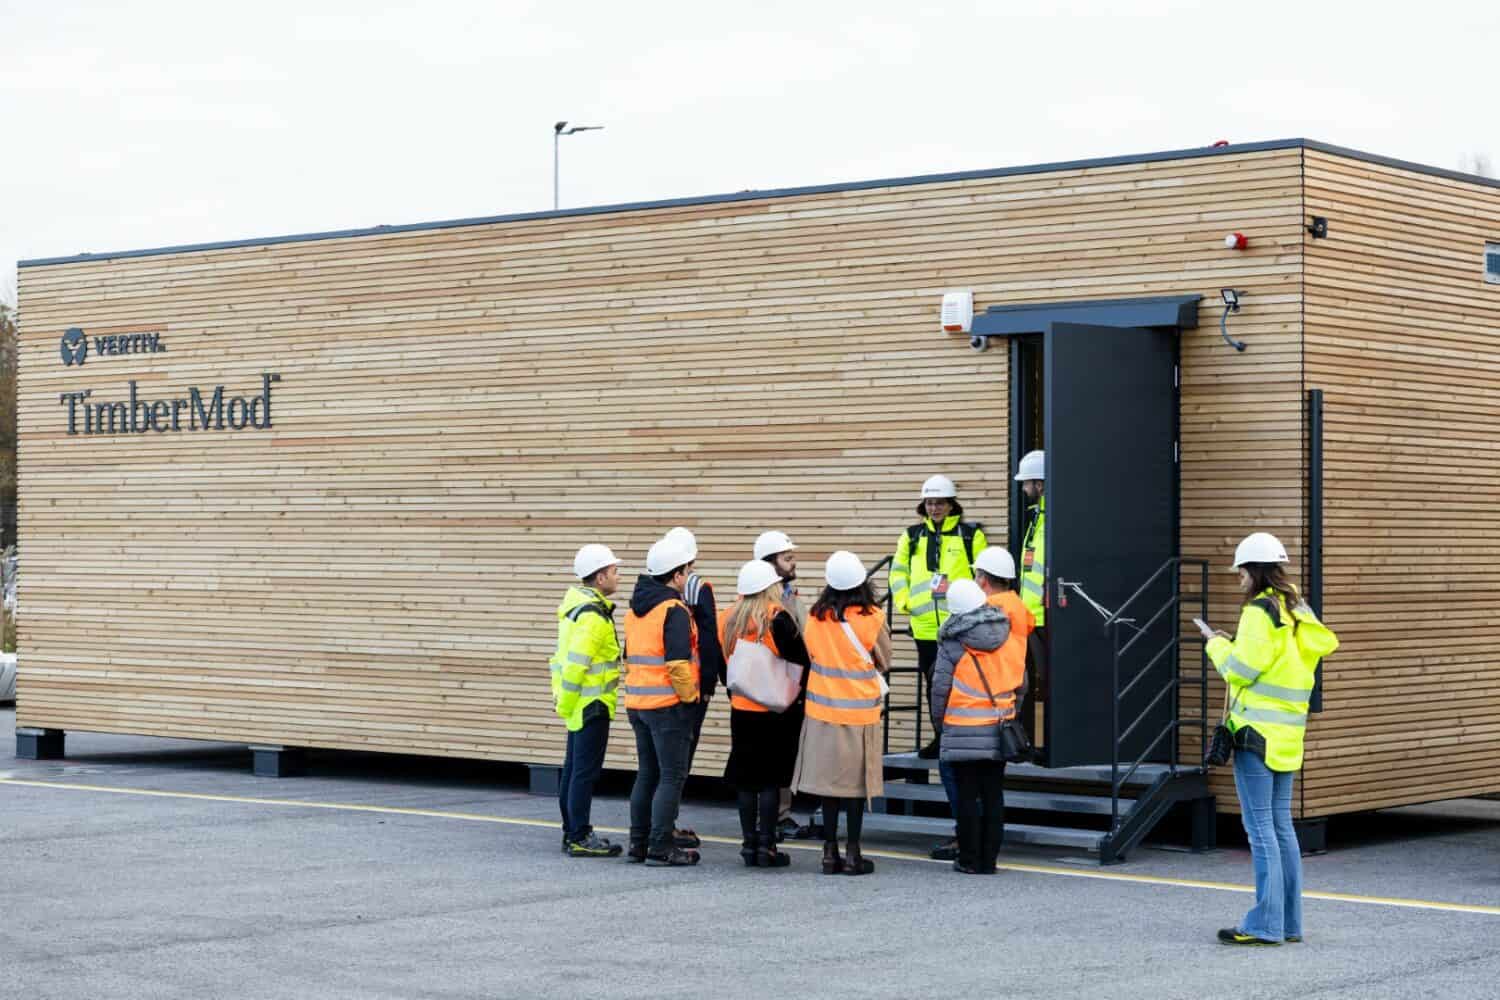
point(890, 612)
point(1173, 685)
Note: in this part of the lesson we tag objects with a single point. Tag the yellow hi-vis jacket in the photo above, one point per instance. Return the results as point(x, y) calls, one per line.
point(586, 666)
point(1034, 564)
point(912, 576)
point(1270, 671)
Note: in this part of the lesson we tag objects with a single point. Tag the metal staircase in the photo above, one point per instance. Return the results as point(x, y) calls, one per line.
point(1108, 808)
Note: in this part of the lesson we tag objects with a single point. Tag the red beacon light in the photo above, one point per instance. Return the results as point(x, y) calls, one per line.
point(1236, 241)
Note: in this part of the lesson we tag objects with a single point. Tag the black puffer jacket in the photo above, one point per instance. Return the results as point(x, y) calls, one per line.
point(982, 629)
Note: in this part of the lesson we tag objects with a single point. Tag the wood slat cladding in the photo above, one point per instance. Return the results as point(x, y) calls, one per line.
point(460, 408)
point(1403, 336)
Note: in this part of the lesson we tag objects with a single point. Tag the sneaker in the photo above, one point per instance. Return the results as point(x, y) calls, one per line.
point(946, 850)
point(1231, 936)
point(565, 843)
point(964, 869)
point(675, 858)
point(686, 838)
point(636, 855)
point(786, 827)
point(594, 846)
point(1293, 939)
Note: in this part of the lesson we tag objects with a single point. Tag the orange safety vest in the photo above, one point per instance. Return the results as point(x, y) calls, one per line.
point(843, 687)
point(739, 701)
point(968, 702)
point(647, 683)
point(1022, 621)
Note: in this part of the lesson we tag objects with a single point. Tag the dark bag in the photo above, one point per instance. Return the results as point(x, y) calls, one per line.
point(1015, 745)
point(1221, 747)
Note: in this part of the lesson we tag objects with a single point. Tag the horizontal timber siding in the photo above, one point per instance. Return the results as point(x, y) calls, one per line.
point(1403, 336)
point(459, 409)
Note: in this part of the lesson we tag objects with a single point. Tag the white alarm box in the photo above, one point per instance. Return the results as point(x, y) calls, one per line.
point(958, 311)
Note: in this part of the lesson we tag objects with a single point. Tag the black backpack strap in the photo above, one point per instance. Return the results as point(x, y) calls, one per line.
point(583, 609)
point(1271, 607)
point(967, 530)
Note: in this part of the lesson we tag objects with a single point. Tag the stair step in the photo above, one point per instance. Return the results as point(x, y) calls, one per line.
point(1087, 773)
point(1015, 833)
point(1095, 805)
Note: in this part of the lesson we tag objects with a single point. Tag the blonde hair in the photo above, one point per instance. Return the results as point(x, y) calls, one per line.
point(750, 614)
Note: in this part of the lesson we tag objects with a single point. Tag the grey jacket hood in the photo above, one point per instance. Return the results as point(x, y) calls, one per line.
point(983, 628)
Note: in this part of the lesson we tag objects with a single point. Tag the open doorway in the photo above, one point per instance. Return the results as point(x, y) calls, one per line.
point(1100, 396)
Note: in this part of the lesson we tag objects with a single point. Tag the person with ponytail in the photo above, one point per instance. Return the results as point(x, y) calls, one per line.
point(762, 742)
point(1270, 667)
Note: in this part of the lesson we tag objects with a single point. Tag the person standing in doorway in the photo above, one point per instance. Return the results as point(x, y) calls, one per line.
point(929, 556)
point(698, 594)
point(839, 757)
point(763, 743)
point(777, 549)
point(661, 695)
point(1269, 666)
point(974, 687)
point(1032, 475)
point(585, 674)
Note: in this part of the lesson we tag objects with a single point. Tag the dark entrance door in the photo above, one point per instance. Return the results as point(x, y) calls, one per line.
point(1111, 433)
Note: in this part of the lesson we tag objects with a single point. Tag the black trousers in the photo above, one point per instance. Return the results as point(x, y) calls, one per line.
point(981, 812)
point(926, 663)
point(1036, 682)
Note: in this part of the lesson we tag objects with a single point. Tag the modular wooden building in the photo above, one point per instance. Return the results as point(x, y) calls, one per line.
point(324, 490)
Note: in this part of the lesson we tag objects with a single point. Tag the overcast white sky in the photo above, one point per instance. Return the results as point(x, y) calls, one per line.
point(130, 125)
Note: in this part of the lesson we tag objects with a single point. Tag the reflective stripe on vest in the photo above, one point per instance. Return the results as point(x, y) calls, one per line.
point(1034, 564)
point(647, 683)
point(969, 704)
point(843, 685)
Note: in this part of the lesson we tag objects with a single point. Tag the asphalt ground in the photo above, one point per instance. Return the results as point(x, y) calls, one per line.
point(148, 868)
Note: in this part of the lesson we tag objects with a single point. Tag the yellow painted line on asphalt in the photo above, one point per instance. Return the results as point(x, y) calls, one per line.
point(550, 824)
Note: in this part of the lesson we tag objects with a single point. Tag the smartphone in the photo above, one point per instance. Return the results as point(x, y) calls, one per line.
point(1202, 625)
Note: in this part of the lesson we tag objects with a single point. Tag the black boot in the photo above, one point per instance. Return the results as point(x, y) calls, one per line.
point(767, 856)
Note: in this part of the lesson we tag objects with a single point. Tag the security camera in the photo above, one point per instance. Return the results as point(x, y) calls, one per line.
point(977, 343)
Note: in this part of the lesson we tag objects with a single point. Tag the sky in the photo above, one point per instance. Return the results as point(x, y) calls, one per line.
point(124, 126)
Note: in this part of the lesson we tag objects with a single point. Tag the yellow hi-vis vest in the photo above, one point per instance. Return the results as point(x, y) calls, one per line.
point(1270, 672)
point(1034, 564)
point(912, 578)
point(586, 665)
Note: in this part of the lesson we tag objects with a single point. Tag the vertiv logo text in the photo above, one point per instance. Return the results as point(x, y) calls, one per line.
point(215, 412)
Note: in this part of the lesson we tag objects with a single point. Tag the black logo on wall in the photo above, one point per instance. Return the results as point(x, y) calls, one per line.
point(75, 347)
point(196, 411)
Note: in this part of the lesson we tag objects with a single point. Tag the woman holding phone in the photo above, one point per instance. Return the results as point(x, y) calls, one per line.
point(1269, 666)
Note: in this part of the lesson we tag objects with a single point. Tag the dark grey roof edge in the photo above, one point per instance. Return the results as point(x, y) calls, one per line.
point(751, 195)
point(756, 195)
point(1391, 161)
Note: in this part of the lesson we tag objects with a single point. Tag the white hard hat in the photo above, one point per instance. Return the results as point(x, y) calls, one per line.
point(1033, 466)
point(844, 571)
point(939, 488)
point(591, 559)
point(756, 576)
point(996, 562)
point(771, 543)
point(964, 596)
point(668, 554)
point(686, 539)
point(1261, 547)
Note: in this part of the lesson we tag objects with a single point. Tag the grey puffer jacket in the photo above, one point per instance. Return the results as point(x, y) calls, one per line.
point(982, 629)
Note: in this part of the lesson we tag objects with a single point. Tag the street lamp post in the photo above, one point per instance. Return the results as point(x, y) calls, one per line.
point(559, 130)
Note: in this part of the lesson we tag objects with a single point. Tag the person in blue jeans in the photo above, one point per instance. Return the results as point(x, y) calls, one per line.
point(1269, 667)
